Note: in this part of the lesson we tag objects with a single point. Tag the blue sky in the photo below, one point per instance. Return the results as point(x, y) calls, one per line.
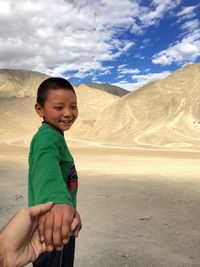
point(126, 43)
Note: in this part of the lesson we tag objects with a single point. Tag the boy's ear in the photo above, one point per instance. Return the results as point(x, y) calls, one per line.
point(39, 110)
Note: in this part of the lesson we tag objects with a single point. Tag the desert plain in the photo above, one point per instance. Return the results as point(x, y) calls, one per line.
point(139, 208)
point(139, 200)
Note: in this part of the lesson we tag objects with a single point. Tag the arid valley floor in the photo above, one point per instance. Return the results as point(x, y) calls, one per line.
point(139, 208)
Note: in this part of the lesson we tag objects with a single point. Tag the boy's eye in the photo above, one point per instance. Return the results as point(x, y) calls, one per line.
point(74, 107)
point(58, 108)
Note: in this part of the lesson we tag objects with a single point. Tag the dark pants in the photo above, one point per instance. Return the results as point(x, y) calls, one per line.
point(55, 258)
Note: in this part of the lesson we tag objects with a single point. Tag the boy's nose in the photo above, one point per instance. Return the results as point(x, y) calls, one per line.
point(67, 112)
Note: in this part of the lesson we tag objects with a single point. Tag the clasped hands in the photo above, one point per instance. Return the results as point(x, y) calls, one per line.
point(55, 226)
point(35, 230)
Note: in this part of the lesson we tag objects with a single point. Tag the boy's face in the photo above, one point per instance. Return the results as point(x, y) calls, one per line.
point(60, 109)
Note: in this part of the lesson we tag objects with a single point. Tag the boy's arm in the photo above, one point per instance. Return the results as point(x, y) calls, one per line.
point(48, 185)
point(46, 176)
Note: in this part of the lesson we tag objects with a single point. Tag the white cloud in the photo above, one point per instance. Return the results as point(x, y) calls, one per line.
point(77, 37)
point(122, 47)
point(187, 10)
point(147, 70)
point(55, 36)
point(147, 41)
point(119, 77)
point(4, 8)
point(139, 55)
point(59, 36)
point(141, 80)
point(137, 28)
point(157, 10)
point(152, 14)
point(105, 70)
point(190, 25)
point(122, 66)
point(123, 71)
point(126, 85)
point(145, 78)
point(185, 51)
point(187, 13)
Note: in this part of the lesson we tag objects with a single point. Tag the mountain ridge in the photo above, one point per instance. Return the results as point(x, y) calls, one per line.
point(24, 83)
point(160, 115)
point(112, 89)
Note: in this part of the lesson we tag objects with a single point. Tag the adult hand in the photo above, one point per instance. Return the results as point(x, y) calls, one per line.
point(19, 239)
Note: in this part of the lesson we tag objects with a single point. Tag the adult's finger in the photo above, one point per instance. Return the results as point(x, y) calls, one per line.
point(40, 209)
point(39, 247)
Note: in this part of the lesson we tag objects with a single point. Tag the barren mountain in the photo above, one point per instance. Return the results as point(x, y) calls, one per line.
point(17, 98)
point(19, 83)
point(90, 102)
point(112, 89)
point(161, 114)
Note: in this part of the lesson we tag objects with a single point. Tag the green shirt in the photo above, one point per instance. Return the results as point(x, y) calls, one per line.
point(52, 173)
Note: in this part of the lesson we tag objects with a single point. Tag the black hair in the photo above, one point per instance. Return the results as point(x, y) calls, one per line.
point(53, 83)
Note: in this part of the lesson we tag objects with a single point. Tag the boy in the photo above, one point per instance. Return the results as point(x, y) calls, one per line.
point(52, 174)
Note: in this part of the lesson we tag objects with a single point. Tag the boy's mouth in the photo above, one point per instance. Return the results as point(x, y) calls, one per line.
point(67, 121)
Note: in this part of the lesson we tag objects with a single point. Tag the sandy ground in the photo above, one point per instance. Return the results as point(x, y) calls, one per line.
point(139, 208)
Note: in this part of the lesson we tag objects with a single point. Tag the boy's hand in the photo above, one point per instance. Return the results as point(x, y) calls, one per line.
point(76, 224)
point(54, 226)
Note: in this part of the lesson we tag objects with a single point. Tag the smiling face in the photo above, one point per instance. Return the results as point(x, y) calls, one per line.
point(60, 109)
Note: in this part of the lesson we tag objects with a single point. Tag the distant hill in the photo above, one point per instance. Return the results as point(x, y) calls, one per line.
point(19, 83)
point(91, 102)
point(112, 89)
point(17, 98)
point(160, 114)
